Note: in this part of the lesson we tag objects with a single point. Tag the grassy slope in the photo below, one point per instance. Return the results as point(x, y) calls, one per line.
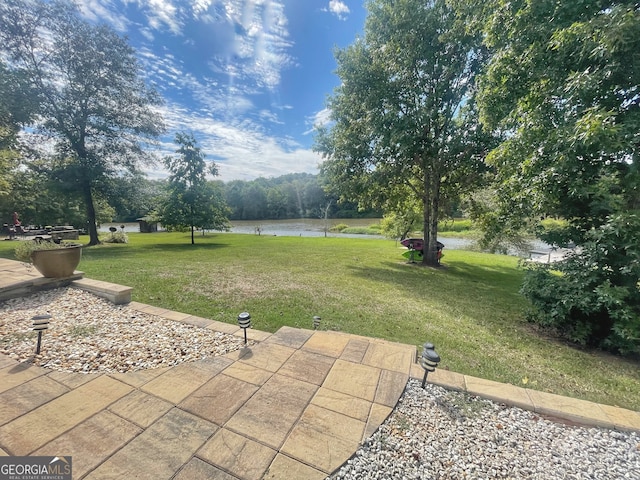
point(470, 309)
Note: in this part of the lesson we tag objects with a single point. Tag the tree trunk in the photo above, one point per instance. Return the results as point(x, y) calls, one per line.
point(193, 242)
point(91, 215)
point(430, 226)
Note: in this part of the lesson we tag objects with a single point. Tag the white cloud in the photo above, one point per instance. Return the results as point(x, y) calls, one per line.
point(103, 11)
point(339, 9)
point(241, 151)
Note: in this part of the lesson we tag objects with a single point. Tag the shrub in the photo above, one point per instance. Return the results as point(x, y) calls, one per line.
point(458, 225)
point(116, 237)
point(593, 297)
point(338, 228)
point(24, 248)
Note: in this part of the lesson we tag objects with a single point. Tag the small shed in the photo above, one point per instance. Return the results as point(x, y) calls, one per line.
point(147, 225)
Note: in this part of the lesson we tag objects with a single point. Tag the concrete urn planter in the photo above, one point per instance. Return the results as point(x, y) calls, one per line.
point(57, 263)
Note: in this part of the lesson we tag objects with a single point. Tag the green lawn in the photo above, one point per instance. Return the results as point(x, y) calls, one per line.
point(470, 309)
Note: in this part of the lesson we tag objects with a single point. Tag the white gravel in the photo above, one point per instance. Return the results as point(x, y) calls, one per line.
point(88, 334)
point(438, 434)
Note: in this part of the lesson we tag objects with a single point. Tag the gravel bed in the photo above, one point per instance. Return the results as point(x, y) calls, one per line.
point(436, 434)
point(88, 334)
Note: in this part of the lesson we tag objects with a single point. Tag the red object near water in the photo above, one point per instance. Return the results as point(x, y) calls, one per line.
point(417, 244)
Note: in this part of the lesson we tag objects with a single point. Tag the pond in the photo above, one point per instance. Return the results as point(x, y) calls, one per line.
point(302, 227)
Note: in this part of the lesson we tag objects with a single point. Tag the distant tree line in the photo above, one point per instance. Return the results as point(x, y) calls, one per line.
point(39, 200)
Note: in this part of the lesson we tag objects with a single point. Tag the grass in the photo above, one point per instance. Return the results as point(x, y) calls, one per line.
point(470, 309)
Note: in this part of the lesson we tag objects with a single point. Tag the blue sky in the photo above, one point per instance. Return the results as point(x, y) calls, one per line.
point(249, 78)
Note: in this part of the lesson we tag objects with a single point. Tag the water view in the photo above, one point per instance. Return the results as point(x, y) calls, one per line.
point(301, 227)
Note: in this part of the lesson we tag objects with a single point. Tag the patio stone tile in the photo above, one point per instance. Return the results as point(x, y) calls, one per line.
point(284, 467)
point(248, 373)
point(268, 356)
point(182, 380)
point(290, 337)
point(324, 439)
point(159, 451)
point(499, 392)
point(71, 380)
point(327, 343)
point(269, 415)
point(18, 373)
point(223, 327)
point(175, 316)
point(6, 361)
point(579, 411)
point(80, 442)
point(141, 408)
point(253, 334)
point(355, 350)
point(353, 407)
point(389, 356)
point(28, 396)
point(198, 469)
point(237, 454)
point(390, 387)
point(219, 398)
point(353, 379)
point(622, 418)
point(377, 416)
point(312, 367)
point(139, 378)
point(60, 414)
point(196, 321)
point(442, 377)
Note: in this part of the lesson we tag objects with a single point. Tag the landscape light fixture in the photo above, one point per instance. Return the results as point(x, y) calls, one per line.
point(244, 320)
point(428, 360)
point(40, 324)
point(316, 322)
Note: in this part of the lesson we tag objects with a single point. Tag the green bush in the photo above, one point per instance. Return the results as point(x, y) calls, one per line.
point(593, 297)
point(457, 225)
point(361, 231)
point(24, 248)
point(338, 228)
point(115, 237)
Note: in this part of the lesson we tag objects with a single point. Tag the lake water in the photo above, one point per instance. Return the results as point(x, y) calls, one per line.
point(304, 227)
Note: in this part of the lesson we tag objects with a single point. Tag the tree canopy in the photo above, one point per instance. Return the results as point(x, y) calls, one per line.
point(93, 103)
point(404, 125)
point(193, 202)
point(563, 87)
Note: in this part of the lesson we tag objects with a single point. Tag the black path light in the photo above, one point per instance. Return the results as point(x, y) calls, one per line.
point(244, 320)
point(316, 322)
point(428, 360)
point(40, 324)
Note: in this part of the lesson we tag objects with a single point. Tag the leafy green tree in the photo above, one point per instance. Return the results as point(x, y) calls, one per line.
point(92, 101)
point(562, 86)
point(193, 202)
point(404, 120)
point(562, 83)
point(17, 107)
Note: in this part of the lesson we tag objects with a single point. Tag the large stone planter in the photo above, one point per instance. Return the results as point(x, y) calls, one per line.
point(57, 263)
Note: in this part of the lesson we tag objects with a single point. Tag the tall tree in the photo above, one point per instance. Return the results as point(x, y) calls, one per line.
point(17, 107)
point(564, 84)
point(404, 123)
point(192, 202)
point(93, 102)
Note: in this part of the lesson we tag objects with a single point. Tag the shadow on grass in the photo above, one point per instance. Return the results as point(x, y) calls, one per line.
point(415, 276)
point(115, 251)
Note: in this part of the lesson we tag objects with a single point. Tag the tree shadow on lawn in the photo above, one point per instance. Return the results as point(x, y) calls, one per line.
point(447, 279)
point(119, 251)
